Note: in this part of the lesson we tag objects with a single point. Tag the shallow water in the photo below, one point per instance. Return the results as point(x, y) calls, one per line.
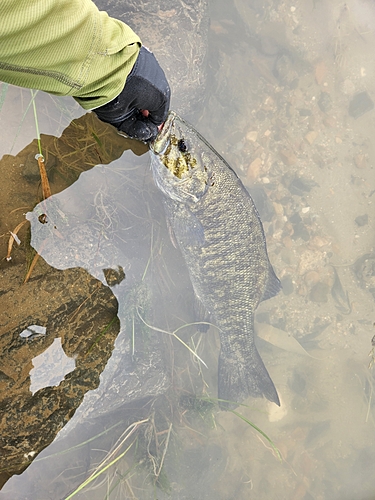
point(283, 109)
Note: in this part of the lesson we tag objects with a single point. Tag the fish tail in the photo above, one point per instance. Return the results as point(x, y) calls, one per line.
point(241, 377)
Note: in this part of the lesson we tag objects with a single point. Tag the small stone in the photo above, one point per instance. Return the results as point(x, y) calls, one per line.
point(114, 276)
point(254, 169)
point(304, 112)
point(357, 181)
point(287, 285)
point(218, 28)
point(311, 278)
point(279, 209)
point(361, 220)
point(318, 242)
point(364, 268)
point(310, 260)
point(360, 104)
point(318, 160)
point(300, 186)
point(284, 71)
point(252, 136)
point(269, 104)
point(288, 242)
point(269, 46)
point(286, 255)
point(288, 227)
point(295, 218)
point(360, 161)
point(288, 157)
point(311, 122)
point(320, 72)
point(338, 140)
point(347, 87)
point(300, 231)
point(329, 121)
point(319, 293)
point(311, 136)
point(325, 102)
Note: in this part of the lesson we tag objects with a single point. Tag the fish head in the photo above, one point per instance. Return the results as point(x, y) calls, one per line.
point(178, 163)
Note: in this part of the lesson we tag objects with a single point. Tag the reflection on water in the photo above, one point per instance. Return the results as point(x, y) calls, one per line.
point(291, 107)
point(50, 367)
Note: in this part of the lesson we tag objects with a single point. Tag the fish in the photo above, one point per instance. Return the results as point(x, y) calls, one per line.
point(213, 221)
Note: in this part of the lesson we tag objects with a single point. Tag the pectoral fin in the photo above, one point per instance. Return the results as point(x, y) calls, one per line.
point(188, 230)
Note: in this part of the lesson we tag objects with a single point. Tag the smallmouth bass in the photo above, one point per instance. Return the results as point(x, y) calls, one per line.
point(218, 230)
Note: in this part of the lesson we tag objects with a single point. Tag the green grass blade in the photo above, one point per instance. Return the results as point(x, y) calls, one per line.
point(275, 449)
point(91, 478)
point(102, 467)
point(36, 122)
point(173, 334)
point(97, 140)
point(77, 446)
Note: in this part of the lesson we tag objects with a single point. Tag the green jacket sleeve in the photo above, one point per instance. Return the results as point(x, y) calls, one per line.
point(65, 47)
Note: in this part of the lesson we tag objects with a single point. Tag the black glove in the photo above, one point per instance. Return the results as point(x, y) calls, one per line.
point(146, 88)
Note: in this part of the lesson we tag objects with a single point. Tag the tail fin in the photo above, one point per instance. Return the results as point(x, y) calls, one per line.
point(240, 378)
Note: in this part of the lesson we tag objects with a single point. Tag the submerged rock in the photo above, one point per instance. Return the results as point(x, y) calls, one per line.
point(109, 370)
point(360, 104)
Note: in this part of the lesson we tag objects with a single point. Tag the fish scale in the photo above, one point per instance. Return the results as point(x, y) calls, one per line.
point(220, 235)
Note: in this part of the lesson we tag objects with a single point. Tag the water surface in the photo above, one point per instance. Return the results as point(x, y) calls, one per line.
point(289, 105)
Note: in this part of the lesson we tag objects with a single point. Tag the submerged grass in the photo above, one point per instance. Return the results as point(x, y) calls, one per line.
point(33, 95)
point(45, 188)
point(275, 449)
point(80, 445)
point(13, 238)
point(109, 460)
point(173, 334)
point(205, 407)
point(156, 449)
point(150, 444)
point(147, 443)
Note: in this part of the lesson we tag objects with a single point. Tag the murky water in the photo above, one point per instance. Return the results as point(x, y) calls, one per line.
point(106, 392)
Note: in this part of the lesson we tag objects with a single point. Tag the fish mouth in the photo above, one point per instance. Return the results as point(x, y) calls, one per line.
point(161, 142)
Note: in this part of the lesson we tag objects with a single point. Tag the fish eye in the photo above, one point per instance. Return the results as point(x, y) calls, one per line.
point(182, 146)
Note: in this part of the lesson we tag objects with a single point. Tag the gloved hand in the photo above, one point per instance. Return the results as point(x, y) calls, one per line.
point(143, 104)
